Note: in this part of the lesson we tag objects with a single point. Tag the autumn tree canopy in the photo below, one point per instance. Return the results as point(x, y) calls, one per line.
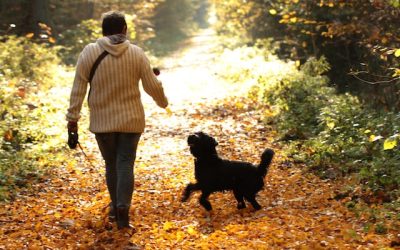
point(359, 38)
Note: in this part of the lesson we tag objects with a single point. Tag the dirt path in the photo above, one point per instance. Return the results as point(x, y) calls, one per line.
point(70, 211)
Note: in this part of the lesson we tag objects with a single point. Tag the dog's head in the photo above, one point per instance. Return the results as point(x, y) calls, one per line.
point(202, 145)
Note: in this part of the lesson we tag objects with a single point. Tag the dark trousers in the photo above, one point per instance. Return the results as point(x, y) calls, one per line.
point(119, 153)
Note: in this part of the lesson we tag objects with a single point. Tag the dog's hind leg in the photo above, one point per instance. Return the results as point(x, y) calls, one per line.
point(252, 200)
point(188, 191)
point(239, 198)
point(204, 201)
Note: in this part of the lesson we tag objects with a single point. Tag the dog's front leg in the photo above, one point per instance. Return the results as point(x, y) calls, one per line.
point(188, 191)
point(204, 201)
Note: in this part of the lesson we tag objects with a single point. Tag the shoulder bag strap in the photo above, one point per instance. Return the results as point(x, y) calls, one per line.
point(96, 64)
point(94, 67)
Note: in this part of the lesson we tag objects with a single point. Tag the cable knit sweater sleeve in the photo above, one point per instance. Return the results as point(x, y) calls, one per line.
point(79, 88)
point(151, 84)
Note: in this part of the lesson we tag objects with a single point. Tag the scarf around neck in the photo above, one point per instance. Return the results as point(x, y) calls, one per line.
point(117, 38)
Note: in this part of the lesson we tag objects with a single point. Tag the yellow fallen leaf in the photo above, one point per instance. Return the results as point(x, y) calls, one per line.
point(397, 53)
point(38, 226)
point(168, 110)
point(191, 230)
point(239, 105)
point(373, 138)
point(168, 225)
point(180, 235)
point(396, 73)
point(99, 224)
point(272, 12)
point(330, 125)
point(29, 35)
point(390, 143)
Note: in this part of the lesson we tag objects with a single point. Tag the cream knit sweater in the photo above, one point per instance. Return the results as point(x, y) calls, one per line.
point(114, 101)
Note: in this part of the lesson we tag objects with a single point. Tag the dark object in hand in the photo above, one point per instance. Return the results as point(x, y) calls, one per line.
point(72, 139)
point(214, 174)
point(156, 71)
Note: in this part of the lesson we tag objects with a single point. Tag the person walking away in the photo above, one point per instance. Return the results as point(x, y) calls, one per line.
point(116, 112)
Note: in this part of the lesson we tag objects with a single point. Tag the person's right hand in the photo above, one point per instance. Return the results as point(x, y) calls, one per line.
point(72, 126)
point(72, 134)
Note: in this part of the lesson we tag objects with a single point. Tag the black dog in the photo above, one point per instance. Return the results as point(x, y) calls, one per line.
point(215, 174)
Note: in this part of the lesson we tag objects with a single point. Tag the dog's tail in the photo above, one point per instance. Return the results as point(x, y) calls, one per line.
point(266, 159)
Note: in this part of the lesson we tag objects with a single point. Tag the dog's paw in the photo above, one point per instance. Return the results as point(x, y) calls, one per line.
point(241, 205)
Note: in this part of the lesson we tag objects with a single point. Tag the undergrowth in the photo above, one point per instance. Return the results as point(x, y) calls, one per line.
point(32, 105)
point(334, 135)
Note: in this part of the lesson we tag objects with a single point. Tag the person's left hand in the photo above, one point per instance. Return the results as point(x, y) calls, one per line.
point(156, 71)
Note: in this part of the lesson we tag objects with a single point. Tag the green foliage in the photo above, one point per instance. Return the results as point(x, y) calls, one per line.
point(88, 31)
point(345, 32)
point(30, 122)
point(335, 135)
point(173, 21)
point(380, 229)
point(175, 18)
point(76, 38)
point(299, 97)
point(22, 58)
point(395, 3)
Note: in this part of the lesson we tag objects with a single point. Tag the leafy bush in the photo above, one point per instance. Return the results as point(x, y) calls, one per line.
point(21, 58)
point(30, 121)
point(74, 40)
point(335, 135)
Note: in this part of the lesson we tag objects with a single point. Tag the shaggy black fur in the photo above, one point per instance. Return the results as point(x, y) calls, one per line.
point(215, 174)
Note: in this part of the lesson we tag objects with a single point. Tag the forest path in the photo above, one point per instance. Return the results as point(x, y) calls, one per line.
point(298, 211)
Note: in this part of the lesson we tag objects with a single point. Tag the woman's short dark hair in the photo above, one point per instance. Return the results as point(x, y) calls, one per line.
point(113, 23)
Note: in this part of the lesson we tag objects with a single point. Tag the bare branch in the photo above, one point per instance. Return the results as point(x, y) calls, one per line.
point(355, 75)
